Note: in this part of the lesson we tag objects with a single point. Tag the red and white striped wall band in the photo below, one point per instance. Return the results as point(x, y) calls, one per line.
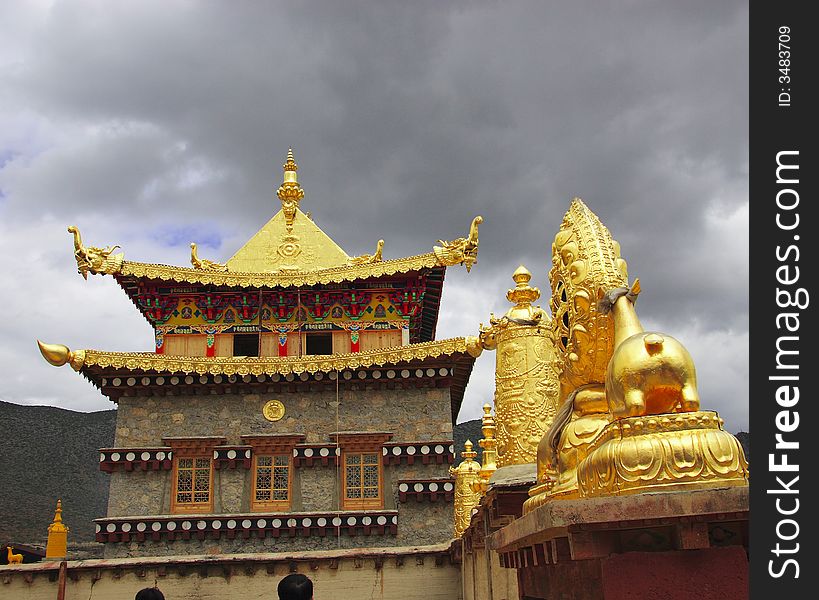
point(432, 490)
point(124, 529)
point(131, 459)
point(425, 452)
point(207, 378)
point(160, 458)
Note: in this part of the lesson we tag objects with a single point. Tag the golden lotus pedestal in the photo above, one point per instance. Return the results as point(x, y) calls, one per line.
point(662, 453)
point(666, 452)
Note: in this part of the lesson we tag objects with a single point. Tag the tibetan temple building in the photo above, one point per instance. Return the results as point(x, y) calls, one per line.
point(298, 412)
point(297, 397)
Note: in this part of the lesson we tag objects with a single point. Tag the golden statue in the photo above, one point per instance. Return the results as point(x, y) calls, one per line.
point(629, 421)
point(13, 559)
point(365, 259)
point(586, 264)
point(466, 499)
point(658, 438)
point(462, 250)
point(92, 259)
point(205, 264)
point(527, 388)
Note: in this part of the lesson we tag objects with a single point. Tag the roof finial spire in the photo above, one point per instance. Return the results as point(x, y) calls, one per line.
point(290, 164)
point(290, 192)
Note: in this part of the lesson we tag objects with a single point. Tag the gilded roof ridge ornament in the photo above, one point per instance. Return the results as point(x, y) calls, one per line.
point(91, 259)
point(290, 192)
point(462, 251)
point(59, 355)
point(365, 259)
point(205, 264)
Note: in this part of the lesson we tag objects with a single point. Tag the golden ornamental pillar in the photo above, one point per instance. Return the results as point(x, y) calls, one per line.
point(489, 458)
point(466, 499)
point(57, 545)
point(527, 387)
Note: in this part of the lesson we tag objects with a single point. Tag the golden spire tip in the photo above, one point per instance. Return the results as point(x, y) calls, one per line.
point(290, 163)
point(521, 276)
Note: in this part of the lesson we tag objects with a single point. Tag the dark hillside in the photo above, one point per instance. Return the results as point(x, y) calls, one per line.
point(468, 430)
point(50, 453)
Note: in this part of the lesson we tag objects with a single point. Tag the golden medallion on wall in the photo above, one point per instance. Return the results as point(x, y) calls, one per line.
point(273, 410)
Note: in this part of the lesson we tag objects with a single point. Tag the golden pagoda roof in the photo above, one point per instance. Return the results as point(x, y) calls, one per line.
point(275, 248)
point(290, 241)
point(289, 250)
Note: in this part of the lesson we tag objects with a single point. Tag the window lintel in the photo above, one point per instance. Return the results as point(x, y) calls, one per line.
point(273, 442)
point(361, 440)
point(193, 445)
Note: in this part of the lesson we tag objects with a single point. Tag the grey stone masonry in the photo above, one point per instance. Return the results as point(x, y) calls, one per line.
point(410, 415)
point(414, 414)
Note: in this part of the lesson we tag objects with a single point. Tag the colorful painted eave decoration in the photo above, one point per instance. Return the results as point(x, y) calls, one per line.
point(146, 361)
point(279, 279)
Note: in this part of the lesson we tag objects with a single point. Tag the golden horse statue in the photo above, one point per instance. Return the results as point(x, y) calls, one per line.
point(14, 559)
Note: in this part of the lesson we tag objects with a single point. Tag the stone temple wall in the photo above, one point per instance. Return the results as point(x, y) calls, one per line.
point(411, 415)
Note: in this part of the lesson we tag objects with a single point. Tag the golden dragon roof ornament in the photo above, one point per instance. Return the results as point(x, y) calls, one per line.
point(462, 250)
point(204, 264)
point(365, 259)
point(94, 260)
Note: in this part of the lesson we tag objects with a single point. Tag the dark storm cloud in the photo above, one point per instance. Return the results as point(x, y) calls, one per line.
point(407, 119)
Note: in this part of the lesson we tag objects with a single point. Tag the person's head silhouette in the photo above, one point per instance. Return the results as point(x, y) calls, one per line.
point(295, 587)
point(151, 593)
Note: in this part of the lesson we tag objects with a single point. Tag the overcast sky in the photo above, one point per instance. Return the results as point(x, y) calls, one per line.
point(151, 124)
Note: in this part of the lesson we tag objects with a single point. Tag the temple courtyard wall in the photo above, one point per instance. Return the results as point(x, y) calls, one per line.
point(424, 573)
